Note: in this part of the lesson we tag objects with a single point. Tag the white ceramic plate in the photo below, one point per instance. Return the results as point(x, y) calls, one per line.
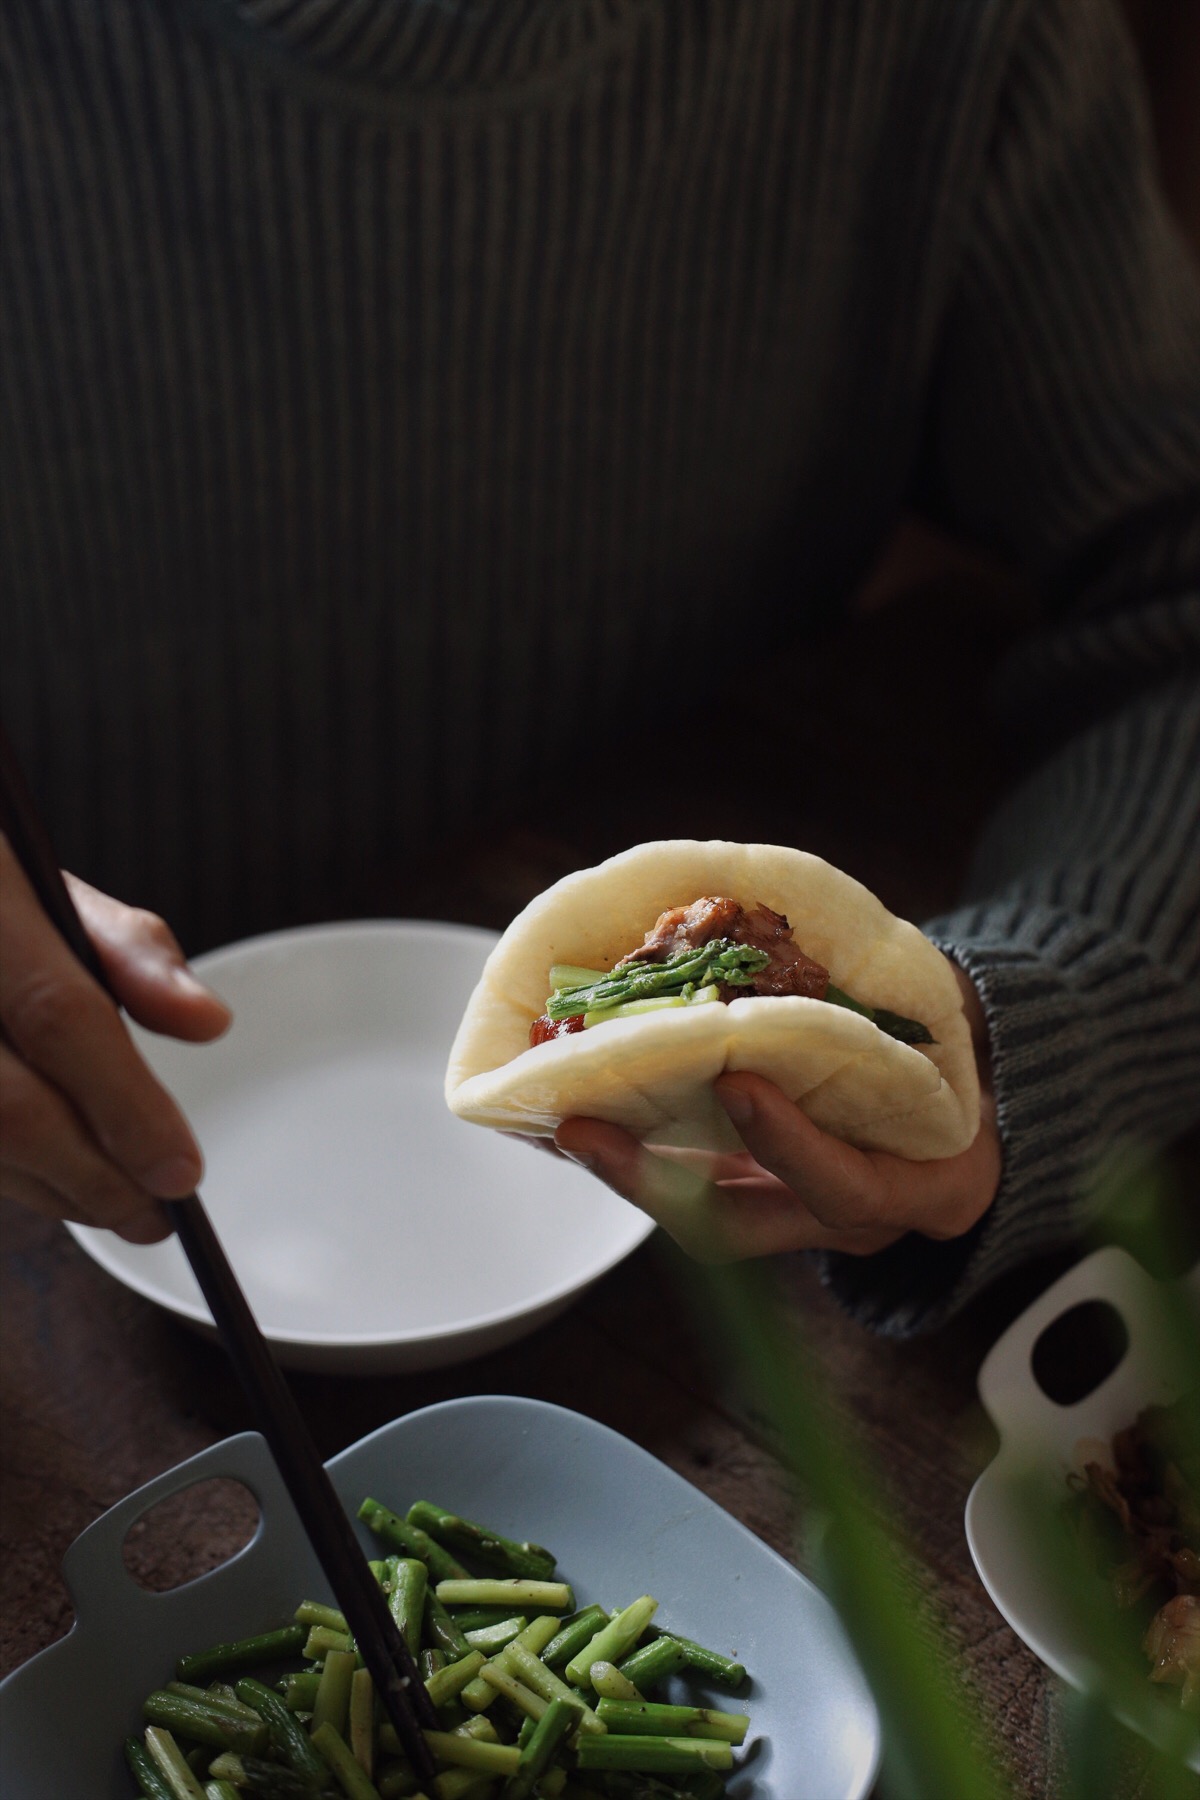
point(619, 1522)
point(1049, 1440)
point(370, 1229)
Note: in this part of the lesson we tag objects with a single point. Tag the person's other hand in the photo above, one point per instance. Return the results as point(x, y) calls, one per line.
point(86, 1132)
point(795, 1187)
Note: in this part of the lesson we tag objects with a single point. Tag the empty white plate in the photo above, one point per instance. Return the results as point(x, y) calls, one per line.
point(370, 1229)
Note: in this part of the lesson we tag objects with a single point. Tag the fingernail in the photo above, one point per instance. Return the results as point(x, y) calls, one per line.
point(738, 1107)
point(584, 1161)
point(172, 1178)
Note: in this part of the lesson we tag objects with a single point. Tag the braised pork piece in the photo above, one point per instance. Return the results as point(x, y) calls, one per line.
point(789, 970)
point(1153, 1494)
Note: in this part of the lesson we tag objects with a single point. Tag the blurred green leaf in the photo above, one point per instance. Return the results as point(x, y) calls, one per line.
point(936, 1744)
point(933, 1743)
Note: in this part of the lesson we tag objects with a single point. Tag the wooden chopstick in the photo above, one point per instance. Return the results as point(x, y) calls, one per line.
point(394, 1671)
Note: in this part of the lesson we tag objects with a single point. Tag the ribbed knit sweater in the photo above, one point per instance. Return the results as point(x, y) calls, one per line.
point(370, 367)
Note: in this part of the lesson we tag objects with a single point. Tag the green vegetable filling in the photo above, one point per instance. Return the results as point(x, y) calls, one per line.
point(687, 978)
point(720, 961)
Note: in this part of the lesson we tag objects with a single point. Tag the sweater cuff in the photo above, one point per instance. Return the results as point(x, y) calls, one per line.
point(1062, 1097)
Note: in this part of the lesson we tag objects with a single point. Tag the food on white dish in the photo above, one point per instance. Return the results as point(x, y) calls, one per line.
point(1141, 1515)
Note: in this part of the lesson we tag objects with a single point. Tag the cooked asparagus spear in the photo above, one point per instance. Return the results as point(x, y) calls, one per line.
point(448, 1682)
point(576, 1631)
point(653, 1662)
point(441, 1631)
point(558, 1720)
point(151, 1782)
point(673, 1756)
point(409, 1583)
point(721, 960)
point(336, 1752)
point(168, 1759)
point(410, 1540)
point(545, 1596)
point(614, 1639)
point(242, 1653)
point(488, 1548)
point(288, 1737)
point(909, 1031)
point(650, 1719)
point(709, 1662)
point(332, 1704)
point(204, 1724)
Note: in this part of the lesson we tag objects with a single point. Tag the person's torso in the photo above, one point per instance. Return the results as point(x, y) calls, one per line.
point(365, 414)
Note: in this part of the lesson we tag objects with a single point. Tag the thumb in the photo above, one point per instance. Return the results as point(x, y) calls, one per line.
point(146, 968)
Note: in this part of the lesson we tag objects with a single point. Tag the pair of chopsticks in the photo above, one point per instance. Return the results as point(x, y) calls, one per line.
point(394, 1671)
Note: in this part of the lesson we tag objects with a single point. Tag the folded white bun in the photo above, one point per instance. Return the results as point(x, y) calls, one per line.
point(653, 1074)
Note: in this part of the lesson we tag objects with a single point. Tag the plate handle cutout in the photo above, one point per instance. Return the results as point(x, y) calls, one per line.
point(1075, 1354)
point(189, 1533)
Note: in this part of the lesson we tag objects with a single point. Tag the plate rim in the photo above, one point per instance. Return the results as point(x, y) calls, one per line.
point(103, 1248)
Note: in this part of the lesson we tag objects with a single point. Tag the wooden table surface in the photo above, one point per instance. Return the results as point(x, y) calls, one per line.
point(100, 1390)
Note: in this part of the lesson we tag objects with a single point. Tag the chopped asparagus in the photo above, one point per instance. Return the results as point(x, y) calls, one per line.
point(547, 1596)
point(470, 1753)
point(692, 975)
point(211, 1697)
point(410, 1540)
point(610, 1684)
point(908, 1031)
point(490, 1638)
point(288, 1737)
point(321, 1640)
point(614, 1639)
point(534, 1673)
point(409, 1583)
point(440, 1629)
point(571, 975)
point(649, 1719)
point(576, 1631)
point(720, 961)
point(650, 1755)
point(486, 1547)
point(653, 1662)
point(151, 1782)
point(558, 1720)
point(243, 1653)
point(448, 1682)
point(336, 1752)
point(204, 1724)
point(332, 1705)
point(710, 1662)
point(168, 1759)
point(362, 1719)
point(522, 1697)
point(536, 1635)
point(312, 1612)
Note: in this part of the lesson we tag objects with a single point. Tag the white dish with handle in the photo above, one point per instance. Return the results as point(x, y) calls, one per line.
point(1052, 1441)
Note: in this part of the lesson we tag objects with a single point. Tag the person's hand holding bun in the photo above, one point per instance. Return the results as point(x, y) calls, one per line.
point(744, 1042)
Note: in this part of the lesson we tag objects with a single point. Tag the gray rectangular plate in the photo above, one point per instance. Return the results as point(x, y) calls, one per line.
point(620, 1522)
